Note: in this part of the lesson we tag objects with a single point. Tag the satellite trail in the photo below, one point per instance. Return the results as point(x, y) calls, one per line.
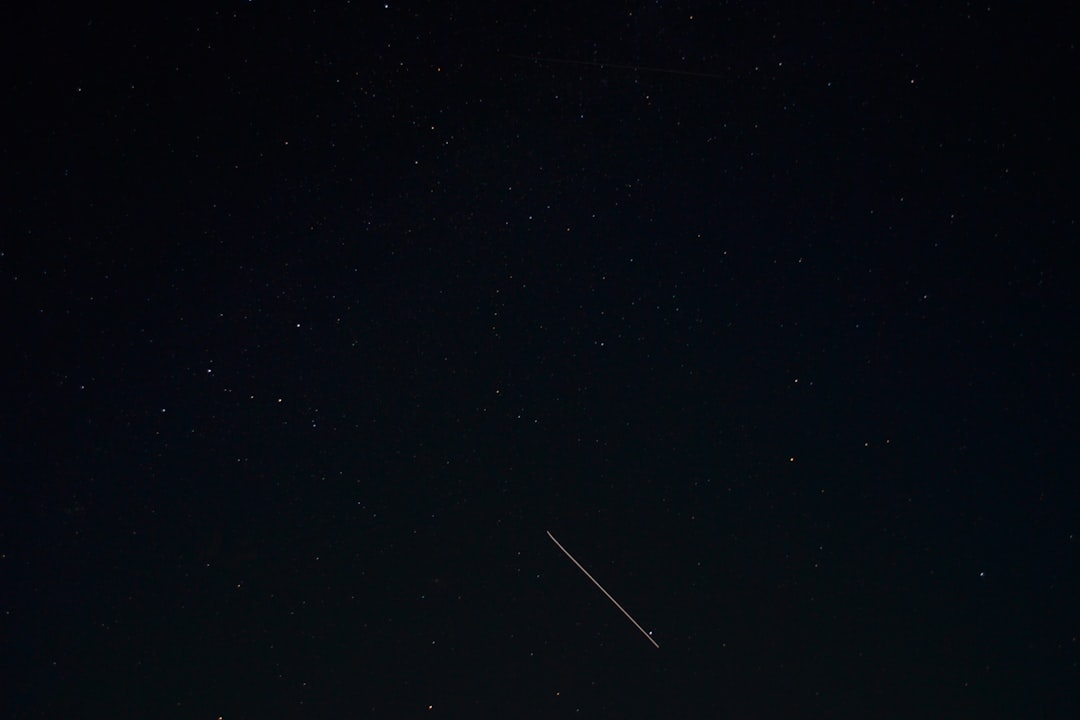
point(616, 602)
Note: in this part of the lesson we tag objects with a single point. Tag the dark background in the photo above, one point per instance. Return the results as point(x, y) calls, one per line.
point(317, 318)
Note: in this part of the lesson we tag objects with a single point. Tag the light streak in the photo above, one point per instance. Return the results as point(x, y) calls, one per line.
point(613, 600)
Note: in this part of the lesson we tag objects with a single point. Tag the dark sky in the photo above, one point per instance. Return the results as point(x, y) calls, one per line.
point(318, 319)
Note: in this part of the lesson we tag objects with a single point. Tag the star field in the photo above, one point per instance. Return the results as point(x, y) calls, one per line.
point(320, 318)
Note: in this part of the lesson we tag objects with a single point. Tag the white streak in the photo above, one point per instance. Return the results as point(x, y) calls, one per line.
point(621, 608)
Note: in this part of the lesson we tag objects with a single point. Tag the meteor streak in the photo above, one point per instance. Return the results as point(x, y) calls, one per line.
point(613, 600)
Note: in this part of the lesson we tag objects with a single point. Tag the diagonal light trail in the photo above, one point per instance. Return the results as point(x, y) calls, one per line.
point(616, 602)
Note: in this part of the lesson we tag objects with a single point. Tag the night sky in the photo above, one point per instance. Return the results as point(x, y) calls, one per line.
point(319, 319)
